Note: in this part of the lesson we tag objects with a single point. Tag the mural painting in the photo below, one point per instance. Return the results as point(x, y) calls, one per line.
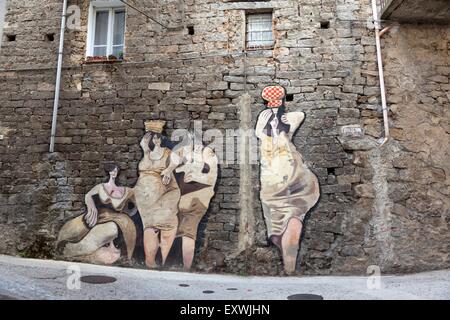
point(174, 190)
point(288, 188)
point(171, 196)
point(92, 237)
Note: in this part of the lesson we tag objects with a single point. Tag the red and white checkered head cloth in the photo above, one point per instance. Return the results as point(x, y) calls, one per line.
point(274, 96)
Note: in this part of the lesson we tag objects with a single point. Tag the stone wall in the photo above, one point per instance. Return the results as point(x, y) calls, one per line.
point(417, 62)
point(379, 205)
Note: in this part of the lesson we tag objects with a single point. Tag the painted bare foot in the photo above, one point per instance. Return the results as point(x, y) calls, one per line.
point(186, 268)
point(289, 265)
point(151, 264)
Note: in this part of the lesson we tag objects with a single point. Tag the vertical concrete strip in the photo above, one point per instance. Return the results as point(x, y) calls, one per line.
point(182, 10)
point(2, 19)
point(382, 218)
point(247, 218)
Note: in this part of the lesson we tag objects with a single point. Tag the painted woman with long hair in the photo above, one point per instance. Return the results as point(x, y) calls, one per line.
point(288, 188)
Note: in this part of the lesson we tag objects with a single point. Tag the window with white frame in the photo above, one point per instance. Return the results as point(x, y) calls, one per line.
point(259, 31)
point(106, 34)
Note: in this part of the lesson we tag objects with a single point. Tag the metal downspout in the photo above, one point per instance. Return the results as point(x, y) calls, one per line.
point(381, 73)
point(58, 78)
point(2, 19)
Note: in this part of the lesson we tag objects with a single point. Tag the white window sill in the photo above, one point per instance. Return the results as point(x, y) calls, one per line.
point(101, 59)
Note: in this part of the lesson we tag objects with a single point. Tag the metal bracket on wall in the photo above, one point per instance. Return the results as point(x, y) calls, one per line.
point(386, 29)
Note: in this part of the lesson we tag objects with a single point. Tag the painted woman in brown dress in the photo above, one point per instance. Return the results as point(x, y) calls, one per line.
point(157, 194)
point(288, 188)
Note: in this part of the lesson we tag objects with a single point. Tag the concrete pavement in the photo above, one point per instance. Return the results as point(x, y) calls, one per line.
point(43, 279)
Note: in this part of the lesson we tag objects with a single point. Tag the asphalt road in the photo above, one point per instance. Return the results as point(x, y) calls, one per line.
point(55, 280)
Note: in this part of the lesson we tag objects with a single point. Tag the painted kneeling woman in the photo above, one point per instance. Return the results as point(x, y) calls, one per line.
point(93, 237)
point(157, 194)
point(288, 188)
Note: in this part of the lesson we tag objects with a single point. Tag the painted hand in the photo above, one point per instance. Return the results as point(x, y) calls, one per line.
point(166, 179)
point(91, 216)
point(188, 178)
point(166, 176)
point(284, 119)
point(145, 140)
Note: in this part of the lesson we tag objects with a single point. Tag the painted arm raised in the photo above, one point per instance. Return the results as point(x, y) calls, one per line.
point(261, 123)
point(144, 142)
point(294, 119)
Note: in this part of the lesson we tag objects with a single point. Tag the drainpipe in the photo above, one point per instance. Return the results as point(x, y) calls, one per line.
point(58, 77)
point(378, 34)
point(2, 19)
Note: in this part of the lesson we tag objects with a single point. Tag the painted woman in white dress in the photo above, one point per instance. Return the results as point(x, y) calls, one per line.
point(288, 188)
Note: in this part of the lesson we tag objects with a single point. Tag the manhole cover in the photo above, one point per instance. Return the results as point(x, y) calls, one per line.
point(98, 279)
point(183, 285)
point(208, 291)
point(305, 296)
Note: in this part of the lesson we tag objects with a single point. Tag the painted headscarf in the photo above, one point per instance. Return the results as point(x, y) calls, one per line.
point(274, 96)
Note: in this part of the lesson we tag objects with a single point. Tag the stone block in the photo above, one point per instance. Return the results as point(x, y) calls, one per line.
point(365, 191)
point(159, 86)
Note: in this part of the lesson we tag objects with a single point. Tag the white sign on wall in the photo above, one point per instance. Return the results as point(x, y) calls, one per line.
point(352, 131)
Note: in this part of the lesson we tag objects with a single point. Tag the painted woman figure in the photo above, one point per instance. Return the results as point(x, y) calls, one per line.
point(157, 194)
point(91, 237)
point(196, 178)
point(288, 188)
